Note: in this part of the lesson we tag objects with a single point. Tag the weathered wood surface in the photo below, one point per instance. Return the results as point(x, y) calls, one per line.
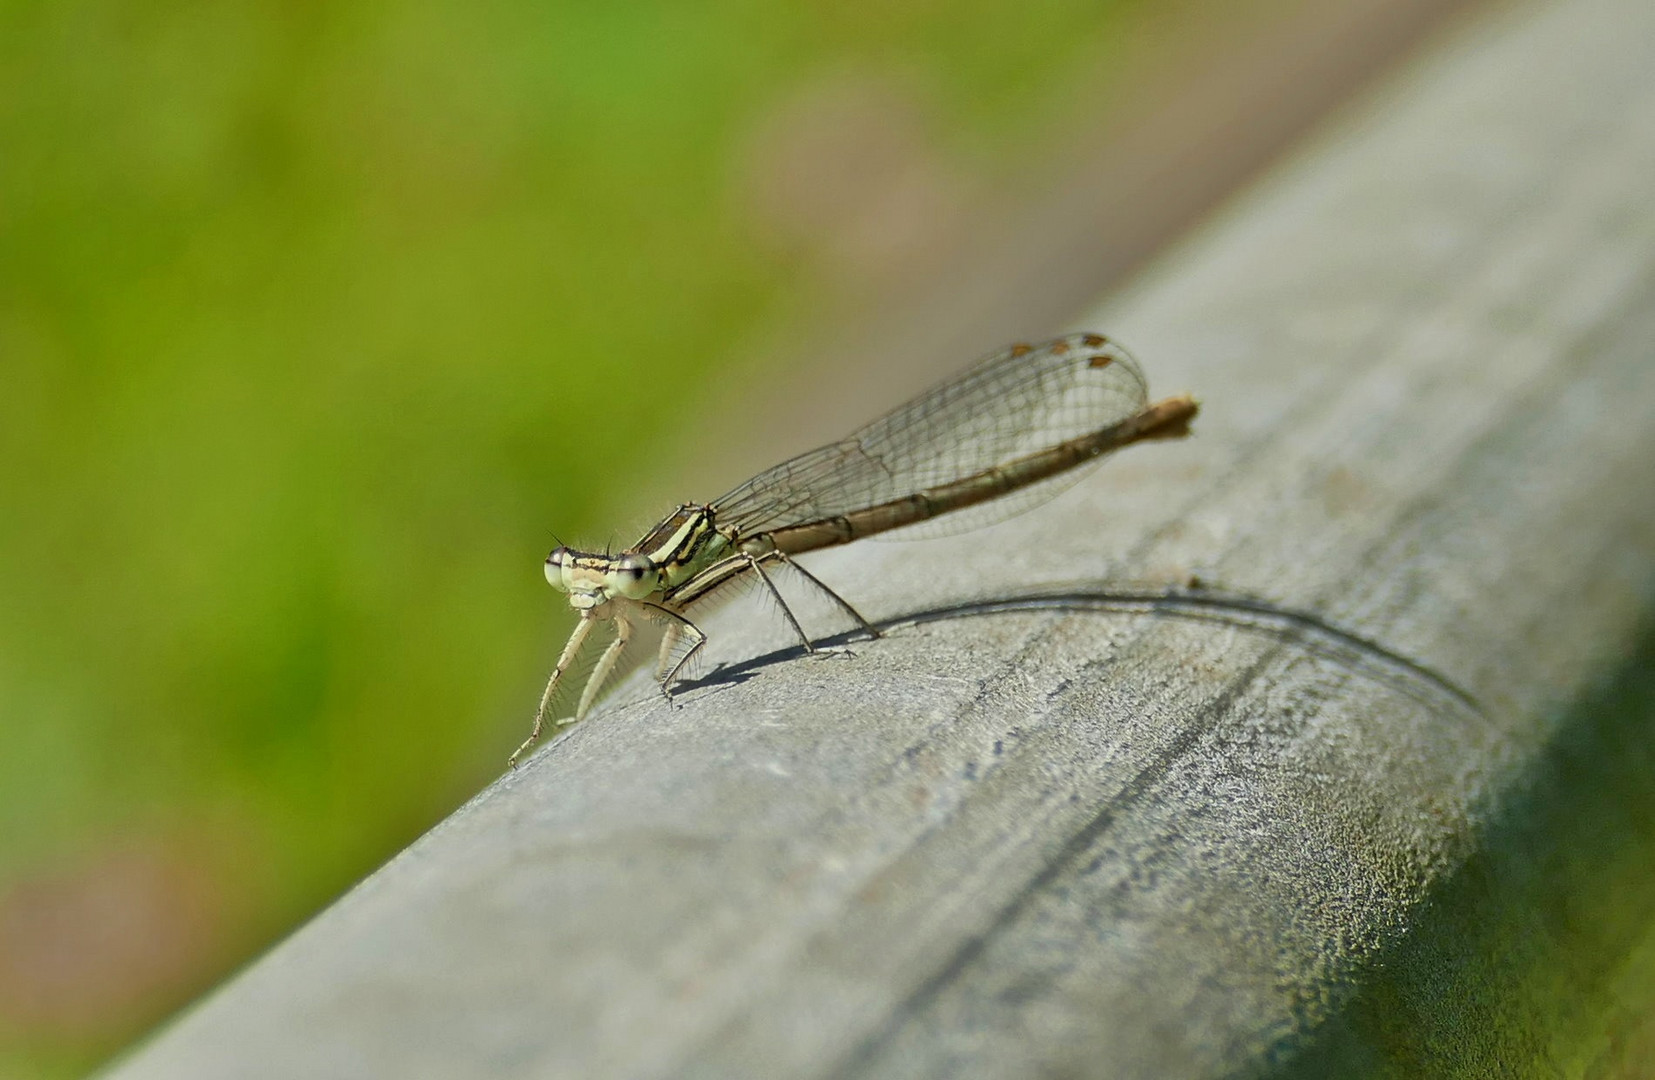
point(1375, 796)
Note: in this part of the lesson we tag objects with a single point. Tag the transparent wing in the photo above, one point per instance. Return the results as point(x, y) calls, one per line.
point(1016, 402)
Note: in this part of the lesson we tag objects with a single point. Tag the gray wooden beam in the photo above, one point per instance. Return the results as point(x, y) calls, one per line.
point(1312, 743)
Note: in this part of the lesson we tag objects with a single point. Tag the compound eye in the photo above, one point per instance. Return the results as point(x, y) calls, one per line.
point(554, 566)
point(635, 576)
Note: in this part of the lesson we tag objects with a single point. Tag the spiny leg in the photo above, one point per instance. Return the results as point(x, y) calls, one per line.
point(570, 651)
point(844, 605)
point(682, 626)
point(754, 561)
point(669, 641)
point(606, 664)
point(714, 578)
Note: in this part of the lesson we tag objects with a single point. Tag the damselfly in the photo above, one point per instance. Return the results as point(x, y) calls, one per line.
point(1022, 420)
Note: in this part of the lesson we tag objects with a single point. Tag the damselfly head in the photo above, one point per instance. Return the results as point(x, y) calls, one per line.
point(591, 580)
point(585, 577)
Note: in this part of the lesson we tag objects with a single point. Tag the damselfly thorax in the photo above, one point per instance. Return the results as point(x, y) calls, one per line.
point(1012, 431)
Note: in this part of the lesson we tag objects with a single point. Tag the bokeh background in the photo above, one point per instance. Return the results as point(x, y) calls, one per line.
point(317, 319)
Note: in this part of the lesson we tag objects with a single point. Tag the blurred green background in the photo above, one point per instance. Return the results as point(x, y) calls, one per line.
point(315, 320)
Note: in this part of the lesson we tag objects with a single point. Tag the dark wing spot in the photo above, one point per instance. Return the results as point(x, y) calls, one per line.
point(1093, 340)
point(1060, 348)
point(1021, 350)
point(1100, 360)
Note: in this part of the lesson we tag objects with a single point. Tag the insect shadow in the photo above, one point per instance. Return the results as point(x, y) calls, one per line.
point(1197, 603)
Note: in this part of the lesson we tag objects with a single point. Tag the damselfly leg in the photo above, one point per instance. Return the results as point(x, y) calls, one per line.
point(576, 640)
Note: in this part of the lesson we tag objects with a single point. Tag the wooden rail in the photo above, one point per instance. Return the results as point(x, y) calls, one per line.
point(1318, 744)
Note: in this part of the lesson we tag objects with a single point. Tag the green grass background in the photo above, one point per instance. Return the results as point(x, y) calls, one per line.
point(315, 319)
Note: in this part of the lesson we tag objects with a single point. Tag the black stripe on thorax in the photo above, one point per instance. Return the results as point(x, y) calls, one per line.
point(680, 539)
